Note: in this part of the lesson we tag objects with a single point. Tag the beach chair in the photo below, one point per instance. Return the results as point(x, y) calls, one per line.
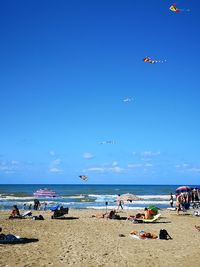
point(59, 213)
point(154, 219)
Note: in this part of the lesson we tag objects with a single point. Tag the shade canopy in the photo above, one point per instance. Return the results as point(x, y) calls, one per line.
point(182, 189)
point(129, 197)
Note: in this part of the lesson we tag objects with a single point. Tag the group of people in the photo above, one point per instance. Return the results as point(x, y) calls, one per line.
point(182, 201)
point(37, 205)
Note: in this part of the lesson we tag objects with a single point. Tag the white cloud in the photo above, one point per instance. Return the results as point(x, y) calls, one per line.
point(52, 153)
point(116, 169)
point(96, 169)
point(56, 162)
point(134, 165)
point(88, 155)
point(10, 166)
point(196, 170)
point(106, 169)
point(115, 163)
point(55, 170)
point(55, 166)
point(150, 153)
point(148, 165)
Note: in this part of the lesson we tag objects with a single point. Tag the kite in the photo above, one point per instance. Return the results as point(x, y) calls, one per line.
point(83, 177)
point(151, 61)
point(111, 142)
point(174, 8)
point(128, 99)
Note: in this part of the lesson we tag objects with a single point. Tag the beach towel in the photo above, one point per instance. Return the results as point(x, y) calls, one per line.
point(12, 239)
point(139, 238)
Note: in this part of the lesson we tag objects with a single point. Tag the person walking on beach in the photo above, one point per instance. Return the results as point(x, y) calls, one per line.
point(171, 200)
point(179, 202)
point(119, 202)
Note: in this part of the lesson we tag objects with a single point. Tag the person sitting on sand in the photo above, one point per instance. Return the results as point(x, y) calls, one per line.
point(15, 213)
point(147, 215)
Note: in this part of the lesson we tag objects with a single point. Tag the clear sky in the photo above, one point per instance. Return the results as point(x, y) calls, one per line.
point(66, 68)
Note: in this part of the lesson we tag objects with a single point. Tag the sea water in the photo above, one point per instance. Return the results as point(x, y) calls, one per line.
point(86, 196)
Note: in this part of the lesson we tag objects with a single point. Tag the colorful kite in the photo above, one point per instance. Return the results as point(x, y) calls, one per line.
point(83, 177)
point(149, 60)
point(174, 8)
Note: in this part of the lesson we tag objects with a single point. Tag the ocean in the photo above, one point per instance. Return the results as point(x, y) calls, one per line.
point(86, 196)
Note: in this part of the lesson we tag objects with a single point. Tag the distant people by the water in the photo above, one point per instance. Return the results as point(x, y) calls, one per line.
point(119, 202)
point(36, 204)
point(171, 200)
point(24, 206)
point(45, 205)
point(30, 207)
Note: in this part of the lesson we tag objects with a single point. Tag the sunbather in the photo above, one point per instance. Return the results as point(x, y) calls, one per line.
point(111, 215)
point(140, 216)
point(143, 234)
point(12, 239)
point(15, 214)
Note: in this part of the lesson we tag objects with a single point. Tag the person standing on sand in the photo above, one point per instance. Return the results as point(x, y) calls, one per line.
point(119, 202)
point(171, 200)
point(178, 203)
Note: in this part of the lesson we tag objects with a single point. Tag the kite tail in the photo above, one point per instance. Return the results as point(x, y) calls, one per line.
point(160, 61)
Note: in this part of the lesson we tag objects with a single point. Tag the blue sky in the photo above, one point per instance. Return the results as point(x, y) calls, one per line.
point(66, 68)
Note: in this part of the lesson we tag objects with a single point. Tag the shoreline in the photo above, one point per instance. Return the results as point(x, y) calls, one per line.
point(80, 240)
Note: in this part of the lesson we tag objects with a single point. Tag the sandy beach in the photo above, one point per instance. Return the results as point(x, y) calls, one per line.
point(80, 240)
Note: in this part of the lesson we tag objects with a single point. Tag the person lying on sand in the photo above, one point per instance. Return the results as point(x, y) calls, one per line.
point(197, 227)
point(143, 234)
point(111, 215)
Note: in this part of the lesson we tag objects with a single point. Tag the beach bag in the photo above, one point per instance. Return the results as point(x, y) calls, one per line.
point(164, 234)
point(40, 217)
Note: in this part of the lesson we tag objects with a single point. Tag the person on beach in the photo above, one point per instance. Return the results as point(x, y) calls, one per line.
point(178, 203)
point(15, 213)
point(36, 204)
point(171, 200)
point(119, 202)
point(111, 215)
point(147, 215)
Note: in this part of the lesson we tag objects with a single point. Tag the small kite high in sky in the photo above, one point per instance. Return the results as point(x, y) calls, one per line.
point(153, 61)
point(83, 177)
point(175, 9)
point(110, 142)
point(127, 99)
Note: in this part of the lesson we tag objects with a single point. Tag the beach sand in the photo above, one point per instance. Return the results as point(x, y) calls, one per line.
point(81, 240)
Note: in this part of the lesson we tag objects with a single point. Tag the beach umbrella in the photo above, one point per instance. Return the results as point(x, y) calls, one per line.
point(129, 197)
point(54, 207)
point(182, 189)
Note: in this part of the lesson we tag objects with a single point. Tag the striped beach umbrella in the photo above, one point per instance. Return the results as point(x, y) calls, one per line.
point(182, 189)
point(129, 197)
